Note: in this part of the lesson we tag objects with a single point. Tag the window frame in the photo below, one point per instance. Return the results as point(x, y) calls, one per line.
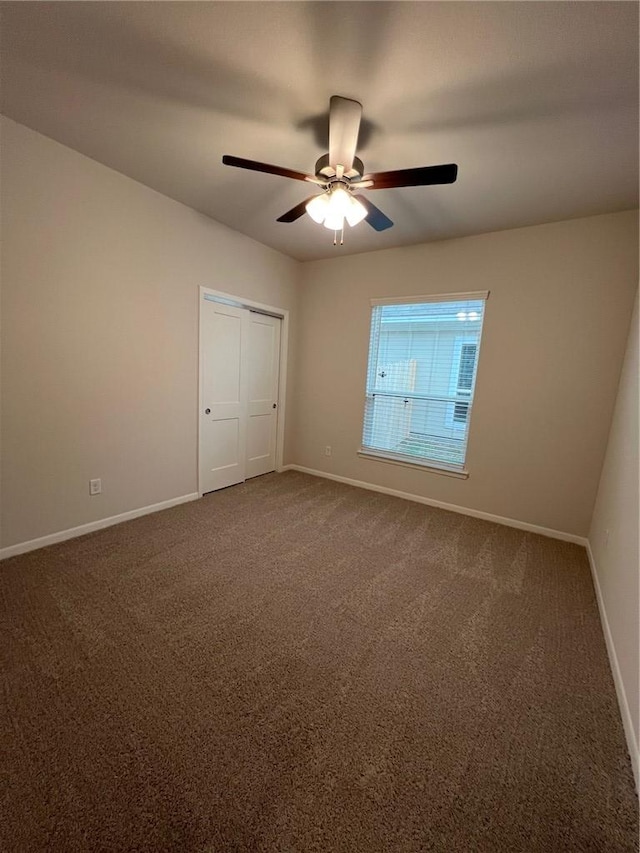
point(411, 461)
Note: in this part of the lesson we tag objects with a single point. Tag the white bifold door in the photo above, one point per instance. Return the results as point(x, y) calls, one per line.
point(240, 365)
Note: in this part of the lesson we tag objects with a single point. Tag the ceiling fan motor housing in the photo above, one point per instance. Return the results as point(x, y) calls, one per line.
point(325, 170)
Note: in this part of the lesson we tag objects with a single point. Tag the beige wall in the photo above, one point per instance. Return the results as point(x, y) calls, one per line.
point(556, 320)
point(100, 278)
point(614, 539)
point(100, 281)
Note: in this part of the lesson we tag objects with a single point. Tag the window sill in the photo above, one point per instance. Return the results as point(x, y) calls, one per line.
point(407, 462)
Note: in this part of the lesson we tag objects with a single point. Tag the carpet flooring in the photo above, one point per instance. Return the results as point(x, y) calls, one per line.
point(299, 665)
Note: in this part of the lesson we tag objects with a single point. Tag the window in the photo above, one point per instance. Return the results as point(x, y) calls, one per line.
point(423, 358)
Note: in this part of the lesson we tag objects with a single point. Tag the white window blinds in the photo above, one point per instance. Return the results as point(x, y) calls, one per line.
point(423, 359)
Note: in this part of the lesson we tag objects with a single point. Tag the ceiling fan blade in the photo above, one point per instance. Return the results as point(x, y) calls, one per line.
point(295, 212)
point(421, 177)
point(255, 166)
point(344, 125)
point(375, 217)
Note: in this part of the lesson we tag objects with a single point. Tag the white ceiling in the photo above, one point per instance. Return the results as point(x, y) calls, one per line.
point(537, 103)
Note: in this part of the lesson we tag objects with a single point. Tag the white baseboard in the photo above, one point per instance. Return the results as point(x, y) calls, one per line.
point(625, 712)
point(462, 510)
point(72, 532)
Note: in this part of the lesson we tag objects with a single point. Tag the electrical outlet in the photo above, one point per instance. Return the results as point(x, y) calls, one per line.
point(327, 450)
point(95, 486)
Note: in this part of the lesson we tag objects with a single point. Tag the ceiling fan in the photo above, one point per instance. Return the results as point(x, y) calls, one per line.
point(339, 173)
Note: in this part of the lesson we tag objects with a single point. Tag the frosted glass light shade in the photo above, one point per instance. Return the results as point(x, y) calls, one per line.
point(339, 202)
point(356, 212)
point(334, 221)
point(317, 207)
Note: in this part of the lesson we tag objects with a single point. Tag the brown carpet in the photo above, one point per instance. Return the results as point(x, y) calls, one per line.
point(298, 665)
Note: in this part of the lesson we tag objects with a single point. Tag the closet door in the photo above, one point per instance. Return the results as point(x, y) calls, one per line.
point(263, 367)
point(224, 386)
point(239, 379)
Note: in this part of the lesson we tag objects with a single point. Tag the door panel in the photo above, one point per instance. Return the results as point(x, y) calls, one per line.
point(223, 415)
point(259, 438)
point(263, 358)
point(224, 444)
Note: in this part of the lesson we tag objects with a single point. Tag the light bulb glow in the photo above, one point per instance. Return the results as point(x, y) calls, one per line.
point(339, 203)
point(357, 211)
point(334, 221)
point(317, 207)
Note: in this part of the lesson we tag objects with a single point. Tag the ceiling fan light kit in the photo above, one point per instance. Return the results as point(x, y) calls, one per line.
point(334, 206)
point(340, 172)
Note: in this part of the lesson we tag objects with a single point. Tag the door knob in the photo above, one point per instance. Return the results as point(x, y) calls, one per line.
point(207, 411)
